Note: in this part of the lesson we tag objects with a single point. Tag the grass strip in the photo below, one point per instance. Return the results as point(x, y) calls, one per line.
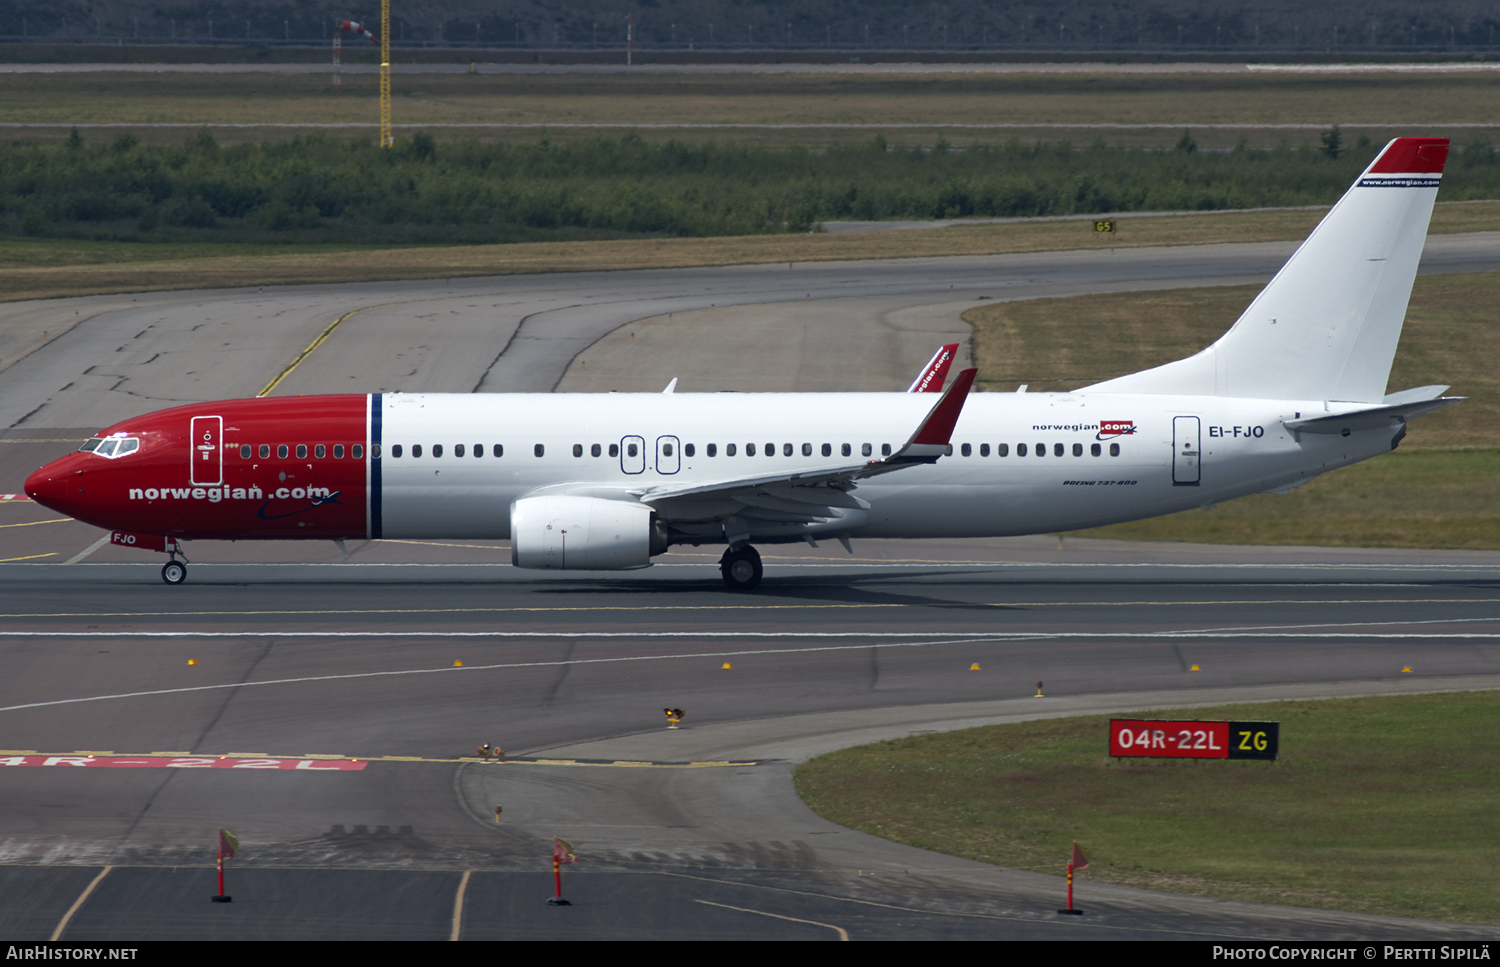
point(1378, 805)
point(44, 269)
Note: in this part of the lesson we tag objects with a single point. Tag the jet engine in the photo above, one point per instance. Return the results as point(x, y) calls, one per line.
point(583, 533)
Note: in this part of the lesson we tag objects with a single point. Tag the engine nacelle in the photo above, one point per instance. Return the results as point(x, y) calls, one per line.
point(583, 533)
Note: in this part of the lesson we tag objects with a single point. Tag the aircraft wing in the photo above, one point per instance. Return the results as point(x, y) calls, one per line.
point(813, 493)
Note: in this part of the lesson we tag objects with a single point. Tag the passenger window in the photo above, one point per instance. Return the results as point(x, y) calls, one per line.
point(244, 451)
point(1003, 450)
point(984, 449)
point(845, 449)
point(1020, 449)
point(416, 450)
point(539, 449)
point(729, 450)
point(1058, 450)
point(594, 450)
point(1078, 449)
point(666, 449)
point(358, 452)
point(749, 449)
point(1114, 449)
point(396, 451)
point(885, 449)
point(1041, 449)
point(478, 450)
point(458, 449)
point(630, 450)
point(301, 451)
point(265, 451)
point(687, 449)
point(712, 449)
point(437, 450)
point(498, 450)
point(827, 449)
point(281, 451)
point(1094, 450)
point(338, 451)
point(320, 451)
point(614, 449)
point(578, 449)
point(807, 449)
point(786, 450)
point(966, 450)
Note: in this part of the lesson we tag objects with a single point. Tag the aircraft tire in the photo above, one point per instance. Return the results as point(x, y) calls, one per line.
point(741, 568)
point(174, 572)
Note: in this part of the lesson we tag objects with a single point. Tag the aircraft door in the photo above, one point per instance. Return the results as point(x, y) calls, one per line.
point(1186, 451)
point(206, 438)
point(633, 454)
point(668, 456)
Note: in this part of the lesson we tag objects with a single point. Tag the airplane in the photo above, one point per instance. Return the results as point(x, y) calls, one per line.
point(1297, 387)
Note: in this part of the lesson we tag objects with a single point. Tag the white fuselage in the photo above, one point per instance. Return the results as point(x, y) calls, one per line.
point(1172, 453)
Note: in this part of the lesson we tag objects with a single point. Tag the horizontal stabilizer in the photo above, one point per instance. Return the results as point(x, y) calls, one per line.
point(1375, 416)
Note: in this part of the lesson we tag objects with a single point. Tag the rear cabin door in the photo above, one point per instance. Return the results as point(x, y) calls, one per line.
point(1186, 451)
point(207, 442)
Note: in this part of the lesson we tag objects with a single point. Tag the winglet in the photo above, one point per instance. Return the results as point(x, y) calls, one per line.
point(931, 439)
point(672, 386)
point(931, 379)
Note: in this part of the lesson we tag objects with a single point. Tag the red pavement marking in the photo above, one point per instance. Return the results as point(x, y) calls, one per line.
point(181, 762)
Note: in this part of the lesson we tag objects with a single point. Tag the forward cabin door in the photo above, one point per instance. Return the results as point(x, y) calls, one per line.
point(206, 439)
point(1186, 451)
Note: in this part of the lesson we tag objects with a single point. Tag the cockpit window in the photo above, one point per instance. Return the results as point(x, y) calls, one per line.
point(112, 447)
point(91, 445)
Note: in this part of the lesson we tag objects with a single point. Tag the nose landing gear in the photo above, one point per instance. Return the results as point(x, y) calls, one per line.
point(741, 568)
point(174, 571)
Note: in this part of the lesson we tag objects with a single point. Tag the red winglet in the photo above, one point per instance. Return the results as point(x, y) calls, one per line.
point(938, 427)
point(1412, 156)
point(936, 372)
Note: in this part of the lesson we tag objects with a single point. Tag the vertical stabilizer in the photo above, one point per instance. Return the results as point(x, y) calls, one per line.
point(1326, 326)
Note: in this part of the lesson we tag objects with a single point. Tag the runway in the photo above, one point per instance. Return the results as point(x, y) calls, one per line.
point(399, 659)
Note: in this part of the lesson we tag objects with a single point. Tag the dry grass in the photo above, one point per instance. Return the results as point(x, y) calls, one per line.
point(1377, 805)
point(1247, 99)
point(41, 270)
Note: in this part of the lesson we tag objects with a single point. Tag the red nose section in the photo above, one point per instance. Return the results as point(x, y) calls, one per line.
point(56, 486)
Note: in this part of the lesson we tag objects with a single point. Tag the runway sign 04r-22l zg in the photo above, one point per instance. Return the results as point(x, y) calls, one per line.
point(1135, 738)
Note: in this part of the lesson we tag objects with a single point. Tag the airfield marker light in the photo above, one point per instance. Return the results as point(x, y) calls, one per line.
point(194, 661)
point(1038, 691)
point(975, 667)
point(458, 664)
point(674, 717)
point(497, 814)
point(726, 665)
point(1406, 670)
point(1195, 668)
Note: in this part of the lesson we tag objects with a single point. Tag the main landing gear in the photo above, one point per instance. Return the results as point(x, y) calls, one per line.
point(740, 567)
